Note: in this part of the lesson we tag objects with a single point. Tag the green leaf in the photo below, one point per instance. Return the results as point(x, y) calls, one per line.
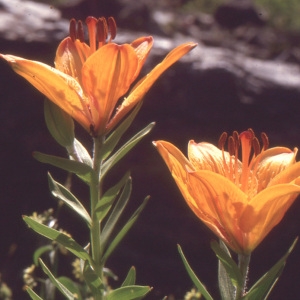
point(125, 149)
point(32, 294)
point(79, 153)
point(117, 211)
point(71, 286)
point(130, 278)
point(229, 265)
point(124, 231)
point(64, 290)
point(62, 193)
point(262, 288)
point(58, 237)
point(198, 284)
point(39, 252)
point(115, 136)
point(93, 280)
point(85, 172)
point(134, 292)
point(225, 285)
point(59, 124)
point(106, 201)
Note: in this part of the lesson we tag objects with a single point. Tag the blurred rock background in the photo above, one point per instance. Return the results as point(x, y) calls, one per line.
point(244, 73)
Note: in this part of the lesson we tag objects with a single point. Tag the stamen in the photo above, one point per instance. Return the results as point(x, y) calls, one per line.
point(256, 146)
point(265, 140)
point(80, 31)
point(91, 24)
point(72, 30)
point(231, 146)
point(112, 26)
point(102, 31)
point(222, 140)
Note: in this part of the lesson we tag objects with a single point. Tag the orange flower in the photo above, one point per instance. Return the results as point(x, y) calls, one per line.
point(240, 201)
point(88, 80)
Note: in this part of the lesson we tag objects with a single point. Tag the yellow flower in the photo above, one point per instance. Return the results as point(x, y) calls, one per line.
point(88, 80)
point(240, 201)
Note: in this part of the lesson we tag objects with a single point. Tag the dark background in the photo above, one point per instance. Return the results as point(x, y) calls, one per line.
point(184, 105)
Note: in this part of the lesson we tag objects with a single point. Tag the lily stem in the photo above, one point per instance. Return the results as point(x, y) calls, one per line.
point(243, 264)
point(95, 194)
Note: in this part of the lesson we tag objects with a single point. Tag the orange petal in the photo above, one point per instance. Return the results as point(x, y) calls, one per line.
point(70, 57)
point(58, 87)
point(265, 211)
point(206, 156)
point(142, 47)
point(217, 199)
point(145, 83)
point(107, 75)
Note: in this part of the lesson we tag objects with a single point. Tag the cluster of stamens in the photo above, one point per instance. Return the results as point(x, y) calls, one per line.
point(100, 31)
point(242, 174)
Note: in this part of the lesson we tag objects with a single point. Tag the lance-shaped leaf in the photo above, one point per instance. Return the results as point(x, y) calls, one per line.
point(198, 284)
point(62, 193)
point(59, 124)
point(124, 230)
point(115, 136)
point(85, 172)
point(32, 294)
point(63, 289)
point(71, 286)
point(229, 265)
point(116, 213)
point(134, 292)
point(125, 149)
point(108, 198)
point(130, 278)
point(39, 252)
point(262, 288)
point(225, 285)
point(79, 153)
point(93, 280)
point(58, 237)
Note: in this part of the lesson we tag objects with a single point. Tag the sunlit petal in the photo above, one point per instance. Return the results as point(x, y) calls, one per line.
point(145, 83)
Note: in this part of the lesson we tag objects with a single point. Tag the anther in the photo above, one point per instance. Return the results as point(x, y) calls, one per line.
point(112, 26)
point(256, 146)
point(80, 31)
point(101, 31)
point(265, 140)
point(231, 146)
point(72, 30)
point(222, 140)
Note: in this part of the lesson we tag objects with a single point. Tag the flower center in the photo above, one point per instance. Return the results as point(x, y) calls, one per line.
point(100, 31)
point(242, 173)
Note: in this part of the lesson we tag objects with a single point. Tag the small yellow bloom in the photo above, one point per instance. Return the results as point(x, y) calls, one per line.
point(239, 200)
point(88, 80)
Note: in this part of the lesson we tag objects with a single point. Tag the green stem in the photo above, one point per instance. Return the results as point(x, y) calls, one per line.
point(244, 260)
point(95, 193)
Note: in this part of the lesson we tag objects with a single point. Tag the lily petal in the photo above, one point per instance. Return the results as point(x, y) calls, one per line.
point(60, 88)
point(265, 211)
point(142, 87)
point(106, 76)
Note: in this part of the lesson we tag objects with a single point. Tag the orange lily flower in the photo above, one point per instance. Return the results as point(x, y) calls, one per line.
point(240, 201)
point(88, 80)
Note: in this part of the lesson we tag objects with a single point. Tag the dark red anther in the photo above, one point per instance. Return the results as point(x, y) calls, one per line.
point(265, 140)
point(80, 31)
point(231, 146)
point(102, 30)
point(222, 140)
point(112, 27)
point(256, 146)
point(72, 30)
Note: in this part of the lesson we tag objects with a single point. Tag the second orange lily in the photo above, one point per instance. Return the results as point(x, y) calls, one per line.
point(88, 80)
